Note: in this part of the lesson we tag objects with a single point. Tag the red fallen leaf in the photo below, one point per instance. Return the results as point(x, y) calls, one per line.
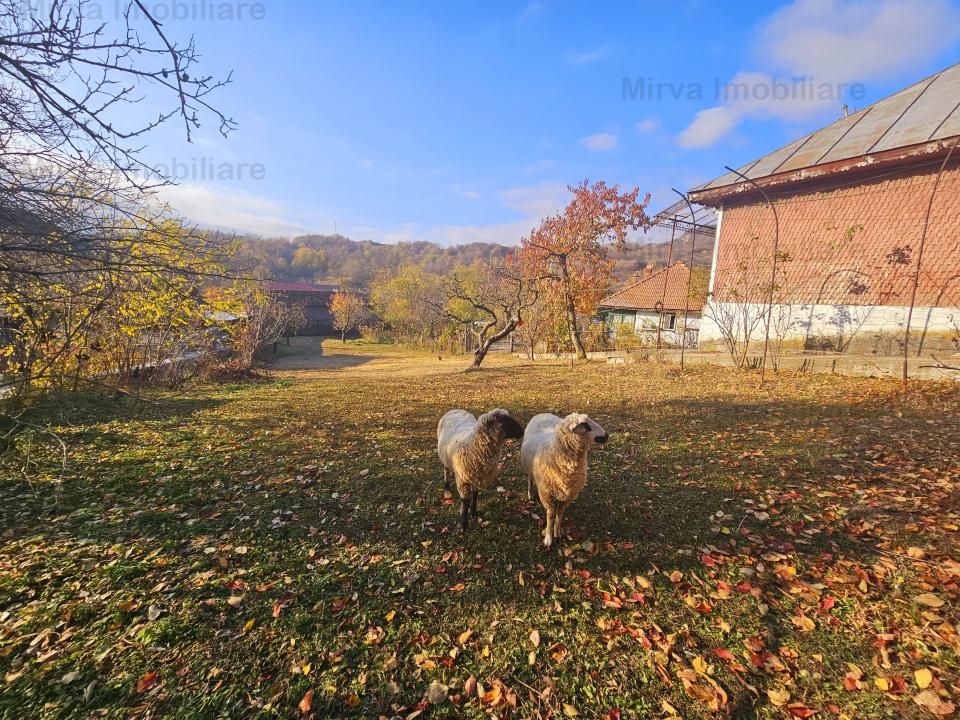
point(708, 561)
point(183, 671)
point(277, 608)
point(827, 603)
point(625, 546)
point(724, 654)
point(440, 569)
point(744, 587)
point(614, 714)
point(147, 681)
point(457, 588)
point(851, 683)
point(800, 710)
point(306, 701)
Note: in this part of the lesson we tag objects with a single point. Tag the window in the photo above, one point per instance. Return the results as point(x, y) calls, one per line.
point(669, 322)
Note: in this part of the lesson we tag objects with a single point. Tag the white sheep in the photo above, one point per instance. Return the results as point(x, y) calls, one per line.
point(554, 457)
point(470, 448)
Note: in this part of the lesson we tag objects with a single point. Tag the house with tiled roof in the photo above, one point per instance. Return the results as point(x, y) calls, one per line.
point(313, 298)
point(665, 298)
point(863, 219)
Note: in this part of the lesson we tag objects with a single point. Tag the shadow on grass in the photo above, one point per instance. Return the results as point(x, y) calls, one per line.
point(320, 476)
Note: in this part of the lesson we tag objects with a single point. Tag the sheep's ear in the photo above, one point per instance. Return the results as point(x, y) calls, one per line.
point(581, 428)
point(511, 427)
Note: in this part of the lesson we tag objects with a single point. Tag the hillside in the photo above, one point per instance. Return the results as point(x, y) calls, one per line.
point(335, 258)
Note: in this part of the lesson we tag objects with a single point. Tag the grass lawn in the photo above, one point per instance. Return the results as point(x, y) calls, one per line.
point(284, 549)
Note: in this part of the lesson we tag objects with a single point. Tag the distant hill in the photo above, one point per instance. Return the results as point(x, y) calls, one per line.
point(337, 259)
point(635, 257)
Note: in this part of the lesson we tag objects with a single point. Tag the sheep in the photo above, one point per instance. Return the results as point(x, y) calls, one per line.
point(470, 448)
point(554, 457)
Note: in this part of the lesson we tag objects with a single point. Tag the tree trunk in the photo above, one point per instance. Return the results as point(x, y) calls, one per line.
point(343, 335)
point(571, 312)
point(481, 352)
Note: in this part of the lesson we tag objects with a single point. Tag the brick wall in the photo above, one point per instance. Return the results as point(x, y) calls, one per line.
point(853, 245)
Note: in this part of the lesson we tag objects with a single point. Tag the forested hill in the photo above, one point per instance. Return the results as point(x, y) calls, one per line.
point(335, 258)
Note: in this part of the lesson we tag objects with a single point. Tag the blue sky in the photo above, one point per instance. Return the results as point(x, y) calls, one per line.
point(460, 121)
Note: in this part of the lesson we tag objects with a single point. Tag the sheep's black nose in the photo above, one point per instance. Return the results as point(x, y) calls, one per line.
point(602, 438)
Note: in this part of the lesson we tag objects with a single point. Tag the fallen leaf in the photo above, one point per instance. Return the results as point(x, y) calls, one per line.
point(778, 696)
point(570, 710)
point(923, 677)
point(146, 682)
point(235, 601)
point(800, 710)
point(306, 701)
point(464, 636)
point(929, 599)
point(535, 638)
point(931, 701)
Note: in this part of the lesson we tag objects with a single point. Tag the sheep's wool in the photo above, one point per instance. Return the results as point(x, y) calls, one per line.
point(471, 449)
point(555, 457)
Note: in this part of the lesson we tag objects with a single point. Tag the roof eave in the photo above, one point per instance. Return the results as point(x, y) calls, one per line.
point(862, 165)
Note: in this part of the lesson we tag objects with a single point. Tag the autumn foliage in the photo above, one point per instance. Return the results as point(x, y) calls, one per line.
point(569, 251)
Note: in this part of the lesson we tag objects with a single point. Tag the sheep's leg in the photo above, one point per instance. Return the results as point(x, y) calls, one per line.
point(558, 520)
point(446, 478)
point(464, 514)
point(473, 503)
point(548, 530)
point(530, 487)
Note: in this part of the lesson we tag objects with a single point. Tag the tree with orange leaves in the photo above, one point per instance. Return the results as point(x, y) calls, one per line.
point(570, 249)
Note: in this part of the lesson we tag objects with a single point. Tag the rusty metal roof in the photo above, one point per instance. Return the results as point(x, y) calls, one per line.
point(703, 216)
point(926, 111)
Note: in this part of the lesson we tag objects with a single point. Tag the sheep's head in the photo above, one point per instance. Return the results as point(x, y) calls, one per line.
point(589, 430)
point(501, 420)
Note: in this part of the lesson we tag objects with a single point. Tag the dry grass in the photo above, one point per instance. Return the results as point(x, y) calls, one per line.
point(253, 544)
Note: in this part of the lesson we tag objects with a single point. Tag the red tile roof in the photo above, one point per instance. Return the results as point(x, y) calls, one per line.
point(645, 294)
point(277, 286)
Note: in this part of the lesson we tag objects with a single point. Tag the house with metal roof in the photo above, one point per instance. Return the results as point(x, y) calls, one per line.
point(849, 237)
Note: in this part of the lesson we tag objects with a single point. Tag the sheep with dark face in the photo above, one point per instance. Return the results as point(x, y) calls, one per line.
point(471, 448)
point(554, 457)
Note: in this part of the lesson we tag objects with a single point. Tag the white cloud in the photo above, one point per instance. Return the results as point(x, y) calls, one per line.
point(587, 57)
point(600, 141)
point(469, 194)
point(647, 126)
point(531, 11)
point(231, 211)
point(708, 127)
point(532, 203)
point(841, 40)
point(815, 49)
point(539, 166)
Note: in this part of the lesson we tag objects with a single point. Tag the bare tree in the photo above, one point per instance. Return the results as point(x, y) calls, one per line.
point(76, 199)
point(490, 305)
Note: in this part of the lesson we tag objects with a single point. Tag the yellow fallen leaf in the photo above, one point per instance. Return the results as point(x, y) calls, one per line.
point(929, 599)
point(391, 615)
point(570, 710)
point(464, 636)
point(247, 626)
point(778, 696)
point(923, 677)
point(882, 683)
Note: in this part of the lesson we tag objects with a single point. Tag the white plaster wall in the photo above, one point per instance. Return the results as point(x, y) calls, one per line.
point(808, 320)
